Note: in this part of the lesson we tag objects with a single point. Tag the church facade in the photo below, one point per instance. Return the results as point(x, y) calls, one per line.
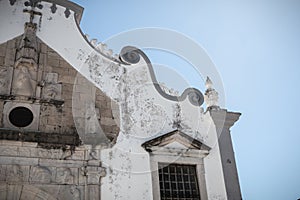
point(78, 122)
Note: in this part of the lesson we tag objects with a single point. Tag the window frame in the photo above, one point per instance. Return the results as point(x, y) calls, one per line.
point(188, 158)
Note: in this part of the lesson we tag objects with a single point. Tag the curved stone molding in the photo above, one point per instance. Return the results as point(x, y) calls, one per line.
point(170, 91)
point(195, 96)
point(146, 112)
point(129, 80)
point(131, 55)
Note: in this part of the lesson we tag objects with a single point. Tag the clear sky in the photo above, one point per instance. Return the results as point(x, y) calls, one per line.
point(255, 46)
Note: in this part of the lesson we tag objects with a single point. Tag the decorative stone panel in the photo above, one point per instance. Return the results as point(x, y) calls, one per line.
point(52, 89)
point(48, 173)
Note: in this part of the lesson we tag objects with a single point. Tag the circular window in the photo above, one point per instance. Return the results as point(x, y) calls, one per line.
point(20, 117)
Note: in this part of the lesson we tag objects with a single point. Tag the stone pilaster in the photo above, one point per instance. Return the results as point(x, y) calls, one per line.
point(93, 173)
point(223, 121)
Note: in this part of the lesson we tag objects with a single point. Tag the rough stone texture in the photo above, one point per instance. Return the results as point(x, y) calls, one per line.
point(28, 171)
point(5, 79)
point(54, 92)
point(1, 111)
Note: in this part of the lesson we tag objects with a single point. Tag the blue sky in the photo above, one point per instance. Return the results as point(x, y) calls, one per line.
point(255, 46)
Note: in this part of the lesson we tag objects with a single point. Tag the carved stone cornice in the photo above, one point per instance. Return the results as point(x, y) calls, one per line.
point(40, 137)
point(224, 118)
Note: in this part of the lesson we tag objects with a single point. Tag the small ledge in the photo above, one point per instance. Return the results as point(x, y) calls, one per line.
point(58, 139)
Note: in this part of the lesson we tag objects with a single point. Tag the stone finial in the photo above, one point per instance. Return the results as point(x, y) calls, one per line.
point(208, 83)
point(211, 96)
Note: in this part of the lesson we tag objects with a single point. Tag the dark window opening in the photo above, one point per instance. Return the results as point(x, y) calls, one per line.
point(178, 182)
point(21, 117)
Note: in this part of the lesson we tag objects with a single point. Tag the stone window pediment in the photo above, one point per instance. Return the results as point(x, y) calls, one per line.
point(175, 141)
point(179, 150)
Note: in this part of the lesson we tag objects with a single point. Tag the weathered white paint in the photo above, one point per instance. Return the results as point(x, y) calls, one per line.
point(145, 114)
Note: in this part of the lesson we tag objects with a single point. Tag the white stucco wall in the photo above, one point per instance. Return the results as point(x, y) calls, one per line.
point(145, 114)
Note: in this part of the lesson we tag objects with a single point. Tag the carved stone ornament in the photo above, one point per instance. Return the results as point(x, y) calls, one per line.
point(24, 81)
point(17, 173)
point(211, 95)
point(64, 176)
point(40, 174)
point(67, 12)
point(53, 8)
point(52, 89)
point(75, 192)
point(27, 50)
point(34, 4)
point(93, 173)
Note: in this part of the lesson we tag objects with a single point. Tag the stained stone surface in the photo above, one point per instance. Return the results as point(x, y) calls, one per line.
point(31, 172)
point(55, 83)
point(37, 162)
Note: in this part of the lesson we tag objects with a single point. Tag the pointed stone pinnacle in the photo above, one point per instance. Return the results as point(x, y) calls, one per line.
point(208, 83)
point(211, 96)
